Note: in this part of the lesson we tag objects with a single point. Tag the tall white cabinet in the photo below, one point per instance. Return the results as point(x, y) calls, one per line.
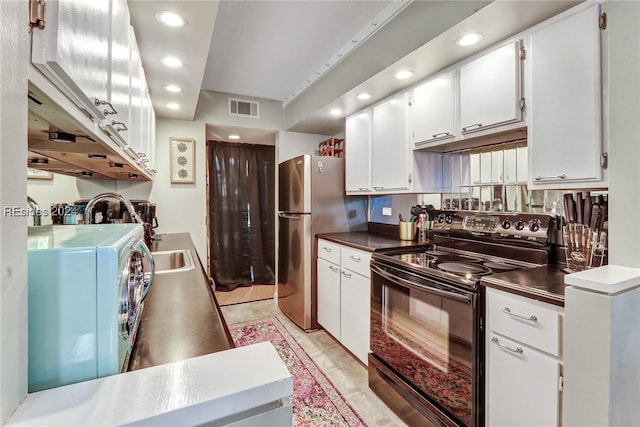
point(358, 153)
point(390, 161)
point(565, 118)
point(344, 297)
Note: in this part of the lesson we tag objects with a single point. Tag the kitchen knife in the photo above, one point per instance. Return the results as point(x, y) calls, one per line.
point(587, 210)
point(570, 208)
point(579, 202)
point(595, 212)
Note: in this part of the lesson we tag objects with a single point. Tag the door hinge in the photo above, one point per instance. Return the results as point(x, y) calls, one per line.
point(522, 104)
point(36, 14)
point(604, 160)
point(523, 52)
point(602, 21)
point(410, 101)
point(560, 383)
point(409, 178)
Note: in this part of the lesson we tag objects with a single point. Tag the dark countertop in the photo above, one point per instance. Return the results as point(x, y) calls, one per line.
point(181, 318)
point(379, 237)
point(544, 283)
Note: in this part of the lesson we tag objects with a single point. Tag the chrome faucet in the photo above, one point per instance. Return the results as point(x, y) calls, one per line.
point(89, 208)
point(37, 213)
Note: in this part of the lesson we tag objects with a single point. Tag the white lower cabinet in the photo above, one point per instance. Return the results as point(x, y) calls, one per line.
point(523, 361)
point(344, 297)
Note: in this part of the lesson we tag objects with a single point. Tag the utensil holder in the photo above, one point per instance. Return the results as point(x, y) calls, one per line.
point(407, 230)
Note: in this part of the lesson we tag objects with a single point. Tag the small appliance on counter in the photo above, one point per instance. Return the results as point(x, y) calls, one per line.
point(87, 286)
point(115, 211)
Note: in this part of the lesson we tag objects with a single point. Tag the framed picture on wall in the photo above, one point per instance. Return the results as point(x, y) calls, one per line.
point(183, 159)
point(33, 173)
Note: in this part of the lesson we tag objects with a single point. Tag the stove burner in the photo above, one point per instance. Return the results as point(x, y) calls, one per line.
point(435, 252)
point(499, 266)
point(463, 269)
point(417, 258)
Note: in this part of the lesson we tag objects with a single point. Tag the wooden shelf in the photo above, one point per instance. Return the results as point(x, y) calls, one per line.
point(332, 147)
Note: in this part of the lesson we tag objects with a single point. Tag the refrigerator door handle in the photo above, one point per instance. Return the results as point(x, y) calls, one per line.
point(289, 216)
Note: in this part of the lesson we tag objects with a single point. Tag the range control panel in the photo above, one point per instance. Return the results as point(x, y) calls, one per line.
point(496, 225)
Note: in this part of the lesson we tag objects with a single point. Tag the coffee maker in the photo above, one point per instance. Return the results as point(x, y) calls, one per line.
point(147, 213)
point(106, 212)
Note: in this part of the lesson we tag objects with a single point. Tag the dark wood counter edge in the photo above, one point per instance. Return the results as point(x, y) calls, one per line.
point(524, 291)
point(151, 346)
point(212, 295)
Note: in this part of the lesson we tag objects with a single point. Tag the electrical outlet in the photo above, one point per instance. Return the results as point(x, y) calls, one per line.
point(386, 211)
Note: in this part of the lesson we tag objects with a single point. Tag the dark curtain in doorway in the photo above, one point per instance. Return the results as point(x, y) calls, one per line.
point(242, 214)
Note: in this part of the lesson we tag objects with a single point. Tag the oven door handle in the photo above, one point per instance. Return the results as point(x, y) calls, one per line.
point(407, 284)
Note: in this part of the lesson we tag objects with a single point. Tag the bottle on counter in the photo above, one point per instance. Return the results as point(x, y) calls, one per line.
point(423, 228)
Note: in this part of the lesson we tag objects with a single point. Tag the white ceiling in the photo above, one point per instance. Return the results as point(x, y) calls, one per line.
point(285, 50)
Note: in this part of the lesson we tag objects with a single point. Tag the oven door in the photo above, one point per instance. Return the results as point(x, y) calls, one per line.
point(424, 331)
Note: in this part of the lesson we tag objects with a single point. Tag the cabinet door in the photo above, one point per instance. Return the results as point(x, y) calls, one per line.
point(355, 313)
point(329, 297)
point(522, 385)
point(565, 123)
point(490, 89)
point(119, 60)
point(358, 153)
point(136, 90)
point(390, 167)
point(73, 50)
point(432, 110)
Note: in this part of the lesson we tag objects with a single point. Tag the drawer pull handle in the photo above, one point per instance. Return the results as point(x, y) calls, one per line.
point(355, 259)
point(506, 347)
point(531, 318)
point(326, 249)
point(549, 178)
point(334, 269)
point(347, 275)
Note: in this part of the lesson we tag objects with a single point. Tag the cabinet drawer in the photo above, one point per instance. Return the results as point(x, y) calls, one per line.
point(528, 321)
point(356, 261)
point(329, 251)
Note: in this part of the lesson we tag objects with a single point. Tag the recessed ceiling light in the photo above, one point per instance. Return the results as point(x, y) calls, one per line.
point(173, 106)
point(335, 112)
point(469, 39)
point(173, 88)
point(170, 61)
point(234, 136)
point(171, 19)
point(363, 96)
point(404, 74)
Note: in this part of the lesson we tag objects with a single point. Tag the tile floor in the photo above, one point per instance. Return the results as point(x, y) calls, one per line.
point(344, 370)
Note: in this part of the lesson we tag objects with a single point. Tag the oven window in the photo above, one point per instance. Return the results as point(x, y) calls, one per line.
point(428, 339)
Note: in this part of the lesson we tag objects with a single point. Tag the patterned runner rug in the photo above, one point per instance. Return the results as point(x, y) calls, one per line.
point(316, 402)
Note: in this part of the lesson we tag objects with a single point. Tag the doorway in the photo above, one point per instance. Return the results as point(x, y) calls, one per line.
point(241, 216)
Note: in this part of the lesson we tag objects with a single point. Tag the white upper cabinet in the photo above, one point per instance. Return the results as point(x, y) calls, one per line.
point(433, 110)
point(358, 153)
point(490, 89)
point(565, 117)
point(390, 166)
point(73, 51)
point(118, 123)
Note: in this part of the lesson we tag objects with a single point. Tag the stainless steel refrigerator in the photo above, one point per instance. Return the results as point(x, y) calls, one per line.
point(311, 200)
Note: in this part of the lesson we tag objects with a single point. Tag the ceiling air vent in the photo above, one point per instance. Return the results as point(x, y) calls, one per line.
point(241, 107)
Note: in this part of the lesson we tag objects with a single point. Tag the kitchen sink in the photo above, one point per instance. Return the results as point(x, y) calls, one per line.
point(172, 261)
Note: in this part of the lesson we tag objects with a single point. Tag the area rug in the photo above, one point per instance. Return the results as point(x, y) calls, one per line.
point(244, 294)
point(316, 402)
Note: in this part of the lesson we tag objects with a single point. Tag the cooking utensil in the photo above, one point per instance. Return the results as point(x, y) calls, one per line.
point(595, 213)
point(579, 202)
point(401, 218)
point(587, 210)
